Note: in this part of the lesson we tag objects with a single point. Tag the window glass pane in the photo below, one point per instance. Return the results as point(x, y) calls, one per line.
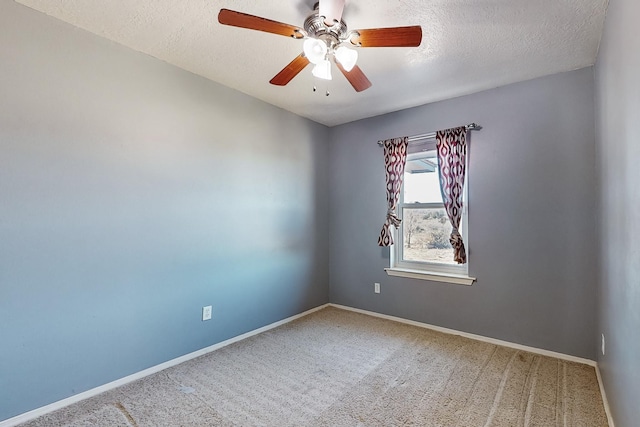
point(426, 236)
point(421, 181)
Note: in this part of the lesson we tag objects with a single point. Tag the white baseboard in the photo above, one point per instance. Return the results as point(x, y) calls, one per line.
point(472, 336)
point(28, 416)
point(605, 401)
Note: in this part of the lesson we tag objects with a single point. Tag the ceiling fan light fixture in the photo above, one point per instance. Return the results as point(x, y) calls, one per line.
point(322, 70)
point(315, 50)
point(346, 57)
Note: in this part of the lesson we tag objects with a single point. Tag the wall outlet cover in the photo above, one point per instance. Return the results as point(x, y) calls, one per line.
point(206, 313)
point(376, 288)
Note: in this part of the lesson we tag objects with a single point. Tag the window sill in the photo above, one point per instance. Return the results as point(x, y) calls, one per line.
point(456, 279)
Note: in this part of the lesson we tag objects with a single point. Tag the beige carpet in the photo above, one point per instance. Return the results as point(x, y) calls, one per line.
point(339, 368)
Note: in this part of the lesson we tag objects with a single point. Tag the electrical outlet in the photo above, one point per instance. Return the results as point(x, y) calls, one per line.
point(206, 313)
point(603, 344)
point(376, 288)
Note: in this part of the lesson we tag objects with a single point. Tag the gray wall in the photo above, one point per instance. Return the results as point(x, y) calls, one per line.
point(531, 221)
point(618, 147)
point(133, 194)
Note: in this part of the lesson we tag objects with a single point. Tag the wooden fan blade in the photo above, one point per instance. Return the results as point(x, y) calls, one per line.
point(331, 10)
point(356, 77)
point(388, 37)
point(244, 20)
point(290, 71)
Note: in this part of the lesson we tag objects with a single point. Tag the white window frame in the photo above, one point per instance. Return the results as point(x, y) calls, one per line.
point(458, 273)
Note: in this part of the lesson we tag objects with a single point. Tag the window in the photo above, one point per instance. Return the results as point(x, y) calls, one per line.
point(422, 249)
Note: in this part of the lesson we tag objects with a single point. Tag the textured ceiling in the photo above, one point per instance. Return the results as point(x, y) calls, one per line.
point(467, 46)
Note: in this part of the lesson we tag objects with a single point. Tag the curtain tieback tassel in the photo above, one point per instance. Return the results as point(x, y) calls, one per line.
point(393, 219)
point(458, 246)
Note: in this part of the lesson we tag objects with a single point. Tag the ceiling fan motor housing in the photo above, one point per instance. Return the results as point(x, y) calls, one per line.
point(316, 27)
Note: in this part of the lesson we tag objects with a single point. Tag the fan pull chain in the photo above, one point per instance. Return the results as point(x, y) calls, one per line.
point(326, 91)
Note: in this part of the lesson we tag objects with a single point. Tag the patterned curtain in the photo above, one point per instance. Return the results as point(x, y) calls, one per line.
point(452, 158)
point(395, 157)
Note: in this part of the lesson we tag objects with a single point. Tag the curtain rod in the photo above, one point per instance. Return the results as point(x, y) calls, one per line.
point(432, 135)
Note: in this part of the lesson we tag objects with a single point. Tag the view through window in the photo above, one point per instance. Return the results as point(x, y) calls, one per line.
point(423, 237)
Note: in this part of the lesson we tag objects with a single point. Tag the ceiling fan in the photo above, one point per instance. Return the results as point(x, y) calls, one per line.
point(326, 37)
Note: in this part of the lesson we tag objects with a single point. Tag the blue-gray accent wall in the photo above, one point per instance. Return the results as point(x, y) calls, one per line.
point(532, 244)
point(618, 148)
point(132, 194)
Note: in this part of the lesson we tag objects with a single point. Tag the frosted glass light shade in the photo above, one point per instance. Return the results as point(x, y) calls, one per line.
point(346, 57)
point(315, 50)
point(322, 70)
